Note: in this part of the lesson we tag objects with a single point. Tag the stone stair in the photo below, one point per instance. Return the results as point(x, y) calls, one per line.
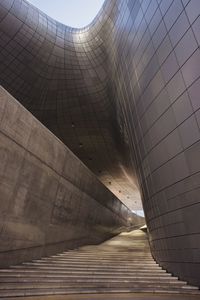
point(121, 265)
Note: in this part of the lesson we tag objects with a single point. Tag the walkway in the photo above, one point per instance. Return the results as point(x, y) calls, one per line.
point(121, 267)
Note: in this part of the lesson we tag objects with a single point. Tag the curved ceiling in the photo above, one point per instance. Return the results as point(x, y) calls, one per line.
point(64, 78)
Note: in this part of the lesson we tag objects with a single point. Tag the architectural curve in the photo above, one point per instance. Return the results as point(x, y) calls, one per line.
point(122, 94)
point(63, 73)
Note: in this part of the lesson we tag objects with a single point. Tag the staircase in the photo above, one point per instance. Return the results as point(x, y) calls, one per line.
point(121, 265)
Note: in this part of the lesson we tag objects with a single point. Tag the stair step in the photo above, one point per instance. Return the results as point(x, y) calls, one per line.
point(84, 273)
point(85, 280)
point(58, 262)
point(124, 264)
point(50, 269)
point(18, 286)
point(64, 291)
point(91, 275)
point(111, 259)
point(104, 255)
point(62, 269)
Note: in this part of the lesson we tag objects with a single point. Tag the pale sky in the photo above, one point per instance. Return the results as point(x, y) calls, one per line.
point(74, 13)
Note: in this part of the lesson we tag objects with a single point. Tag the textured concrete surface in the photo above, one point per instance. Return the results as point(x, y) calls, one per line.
point(112, 297)
point(49, 200)
point(123, 94)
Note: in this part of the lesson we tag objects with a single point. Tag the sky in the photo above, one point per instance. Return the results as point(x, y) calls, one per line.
point(74, 13)
point(139, 212)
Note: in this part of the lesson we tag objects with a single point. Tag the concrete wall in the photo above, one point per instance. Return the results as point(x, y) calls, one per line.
point(49, 200)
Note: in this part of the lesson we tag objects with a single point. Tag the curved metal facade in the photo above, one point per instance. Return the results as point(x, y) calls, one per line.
point(123, 95)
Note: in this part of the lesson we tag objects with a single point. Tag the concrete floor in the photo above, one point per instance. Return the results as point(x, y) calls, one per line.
point(112, 297)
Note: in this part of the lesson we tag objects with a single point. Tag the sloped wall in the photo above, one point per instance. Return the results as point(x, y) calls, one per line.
point(49, 200)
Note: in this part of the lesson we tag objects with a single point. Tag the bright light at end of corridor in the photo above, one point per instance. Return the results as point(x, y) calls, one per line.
point(138, 212)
